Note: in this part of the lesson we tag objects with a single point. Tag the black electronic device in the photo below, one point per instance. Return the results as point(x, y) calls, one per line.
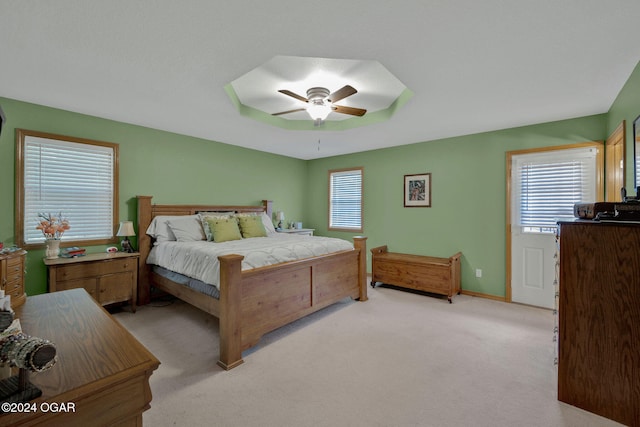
point(629, 209)
point(630, 199)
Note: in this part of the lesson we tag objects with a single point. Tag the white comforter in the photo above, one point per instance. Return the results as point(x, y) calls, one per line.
point(199, 260)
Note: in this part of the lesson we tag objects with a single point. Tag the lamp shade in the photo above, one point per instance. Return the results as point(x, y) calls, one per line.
point(126, 229)
point(318, 111)
point(280, 216)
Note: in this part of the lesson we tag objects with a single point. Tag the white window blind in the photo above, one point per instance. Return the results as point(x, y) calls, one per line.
point(71, 178)
point(345, 199)
point(550, 184)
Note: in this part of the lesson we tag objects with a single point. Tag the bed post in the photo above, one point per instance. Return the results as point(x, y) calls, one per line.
point(360, 242)
point(268, 208)
point(230, 311)
point(144, 247)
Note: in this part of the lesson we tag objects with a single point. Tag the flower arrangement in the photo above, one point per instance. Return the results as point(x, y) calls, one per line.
point(53, 227)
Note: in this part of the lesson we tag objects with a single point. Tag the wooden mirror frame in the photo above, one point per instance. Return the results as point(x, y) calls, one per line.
point(636, 151)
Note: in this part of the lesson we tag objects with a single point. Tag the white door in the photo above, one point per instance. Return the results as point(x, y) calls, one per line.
point(544, 186)
point(533, 267)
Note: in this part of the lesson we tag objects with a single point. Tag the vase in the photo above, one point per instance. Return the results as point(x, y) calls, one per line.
point(53, 248)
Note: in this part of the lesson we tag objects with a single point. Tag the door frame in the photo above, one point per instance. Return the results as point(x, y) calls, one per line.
point(615, 158)
point(598, 145)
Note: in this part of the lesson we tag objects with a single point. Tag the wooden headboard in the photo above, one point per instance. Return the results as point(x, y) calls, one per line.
point(147, 211)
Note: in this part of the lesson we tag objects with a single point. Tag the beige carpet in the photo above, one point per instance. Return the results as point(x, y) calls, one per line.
point(399, 359)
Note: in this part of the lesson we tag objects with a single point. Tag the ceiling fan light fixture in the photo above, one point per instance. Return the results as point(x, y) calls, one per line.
point(318, 110)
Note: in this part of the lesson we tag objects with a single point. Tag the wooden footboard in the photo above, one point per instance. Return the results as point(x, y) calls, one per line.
point(260, 300)
point(273, 296)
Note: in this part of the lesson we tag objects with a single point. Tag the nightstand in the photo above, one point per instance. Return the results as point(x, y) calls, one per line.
point(300, 231)
point(107, 277)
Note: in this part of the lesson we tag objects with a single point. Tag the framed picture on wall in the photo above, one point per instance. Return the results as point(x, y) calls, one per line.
point(417, 190)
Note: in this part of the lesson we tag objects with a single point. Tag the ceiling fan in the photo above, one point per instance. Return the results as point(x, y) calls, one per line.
point(321, 103)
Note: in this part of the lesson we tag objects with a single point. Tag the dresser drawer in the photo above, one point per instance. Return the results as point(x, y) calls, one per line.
point(14, 264)
point(13, 284)
point(14, 293)
point(15, 270)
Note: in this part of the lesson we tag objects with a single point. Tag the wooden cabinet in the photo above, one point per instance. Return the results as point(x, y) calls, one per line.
point(422, 273)
point(12, 267)
point(599, 319)
point(108, 277)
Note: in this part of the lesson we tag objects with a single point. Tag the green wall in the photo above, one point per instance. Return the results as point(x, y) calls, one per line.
point(171, 168)
point(468, 181)
point(468, 212)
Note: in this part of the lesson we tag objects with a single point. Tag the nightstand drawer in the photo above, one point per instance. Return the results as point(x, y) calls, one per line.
point(119, 265)
point(78, 271)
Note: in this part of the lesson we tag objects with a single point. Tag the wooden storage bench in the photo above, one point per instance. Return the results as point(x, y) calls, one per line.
point(421, 273)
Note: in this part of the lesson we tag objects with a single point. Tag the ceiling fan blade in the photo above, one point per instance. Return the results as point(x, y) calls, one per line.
point(293, 95)
point(341, 94)
point(349, 110)
point(288, 111)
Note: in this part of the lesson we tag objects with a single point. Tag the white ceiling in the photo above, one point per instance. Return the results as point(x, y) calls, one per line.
point(473, 66)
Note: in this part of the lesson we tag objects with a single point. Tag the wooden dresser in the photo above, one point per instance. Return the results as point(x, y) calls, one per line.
point(101, 367)
point(108, 277)
point(599, 319)
point(12, 267)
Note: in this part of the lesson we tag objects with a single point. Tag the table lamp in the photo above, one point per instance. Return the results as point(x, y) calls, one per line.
point(126, 230)
point(280, 218)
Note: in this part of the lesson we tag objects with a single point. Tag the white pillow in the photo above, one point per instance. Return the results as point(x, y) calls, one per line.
point(187, 229)
point(159, 229)
point(268, 224)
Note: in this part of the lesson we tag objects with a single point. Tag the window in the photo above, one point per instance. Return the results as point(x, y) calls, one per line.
point(345, 200)
point(549, 184)
point(72, 176)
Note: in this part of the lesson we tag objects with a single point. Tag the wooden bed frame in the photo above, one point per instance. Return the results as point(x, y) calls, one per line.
point(260, 300)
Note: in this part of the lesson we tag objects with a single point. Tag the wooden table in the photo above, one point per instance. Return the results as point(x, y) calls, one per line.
point(102, 369)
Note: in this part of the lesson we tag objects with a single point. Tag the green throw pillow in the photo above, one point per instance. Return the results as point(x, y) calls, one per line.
point(224, 229)
point(252, 226)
